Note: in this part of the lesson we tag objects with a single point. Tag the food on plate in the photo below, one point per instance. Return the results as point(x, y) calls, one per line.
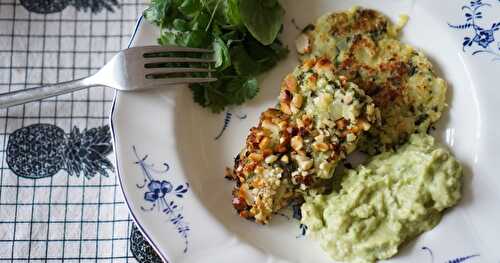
point(262, 169)
point(357, 87)
point(331, 115)
point(242, 33)
point(319, 121)
point(393, 198)
point(363, 46)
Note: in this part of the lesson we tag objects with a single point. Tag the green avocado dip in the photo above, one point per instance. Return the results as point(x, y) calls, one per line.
point(390, 200)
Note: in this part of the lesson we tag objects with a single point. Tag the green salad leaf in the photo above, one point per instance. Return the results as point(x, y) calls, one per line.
point(263, 18)
point(157, 11)
point(232, 13)
point(221, 54)
point(241, 33)
point(190, 8)
point(243, 89)
point(243, 63)
point(195, 38)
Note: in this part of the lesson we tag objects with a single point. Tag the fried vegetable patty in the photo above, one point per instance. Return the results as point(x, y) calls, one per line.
point(319, 120)
point(363, 46)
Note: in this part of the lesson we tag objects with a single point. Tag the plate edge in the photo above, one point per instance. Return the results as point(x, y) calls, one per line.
point(111, 120)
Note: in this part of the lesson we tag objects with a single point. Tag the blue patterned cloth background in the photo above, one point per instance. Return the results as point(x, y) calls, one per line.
point(59, 197)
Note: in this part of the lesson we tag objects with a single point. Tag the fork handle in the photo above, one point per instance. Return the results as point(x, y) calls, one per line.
point(27, 95)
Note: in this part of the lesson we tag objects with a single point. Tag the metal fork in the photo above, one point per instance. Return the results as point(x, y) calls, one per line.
point(133, 69)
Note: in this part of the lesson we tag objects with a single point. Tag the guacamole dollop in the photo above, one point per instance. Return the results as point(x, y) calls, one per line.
point(393, 198)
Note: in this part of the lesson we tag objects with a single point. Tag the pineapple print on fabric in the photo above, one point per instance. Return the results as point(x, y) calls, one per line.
point(141, 249)
point(54, 6)
point(42, 150)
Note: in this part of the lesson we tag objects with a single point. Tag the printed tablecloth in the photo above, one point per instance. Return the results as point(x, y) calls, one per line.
point(59, 197)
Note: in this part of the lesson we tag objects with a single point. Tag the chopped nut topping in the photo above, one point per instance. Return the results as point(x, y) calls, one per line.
point(297, 100)
point(319, 138)
point(308, 64)
point(364, 125)
point(297, 143)
point(285, 108)
point(285, 96)
point(291, 83)
point(255, 157)
point(267, 152)
point(281, 149)
point(343, 80)
point(300, 123)
point(264, 143)
point(305, 163)
point(266, 124)
point(271, 159)
point(320, 147)
point(283, 125)
point(341, 124)
point(312, 81)
point(302, 44)
point(307, 120)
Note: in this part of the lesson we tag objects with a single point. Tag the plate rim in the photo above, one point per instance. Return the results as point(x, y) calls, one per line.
point(163, 257)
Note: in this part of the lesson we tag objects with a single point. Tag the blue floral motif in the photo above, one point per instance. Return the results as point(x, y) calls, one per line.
point(455, 260)
point(294, 213)
point(228, 116)
point(157, 190)
point(302, 230)
point(483, 40)
point(160, 194)
point(297, 214)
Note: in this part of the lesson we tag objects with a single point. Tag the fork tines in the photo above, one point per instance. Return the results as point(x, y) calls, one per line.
point(174, 65)
point(170, 49)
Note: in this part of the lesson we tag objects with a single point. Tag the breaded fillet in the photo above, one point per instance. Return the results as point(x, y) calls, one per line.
point(363, 47)
point(319, 120)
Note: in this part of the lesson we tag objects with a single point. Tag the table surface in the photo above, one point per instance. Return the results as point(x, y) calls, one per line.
point(57, 201)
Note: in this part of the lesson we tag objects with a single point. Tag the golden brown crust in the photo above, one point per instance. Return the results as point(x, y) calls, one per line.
point(296, 146)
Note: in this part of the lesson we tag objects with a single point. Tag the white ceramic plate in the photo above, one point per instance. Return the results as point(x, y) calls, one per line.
point(164, 141)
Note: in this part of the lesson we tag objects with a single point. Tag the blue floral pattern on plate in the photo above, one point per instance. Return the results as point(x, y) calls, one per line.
point(455, 260)
point(483, 38)
point(228, 115)
point(160, 195)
